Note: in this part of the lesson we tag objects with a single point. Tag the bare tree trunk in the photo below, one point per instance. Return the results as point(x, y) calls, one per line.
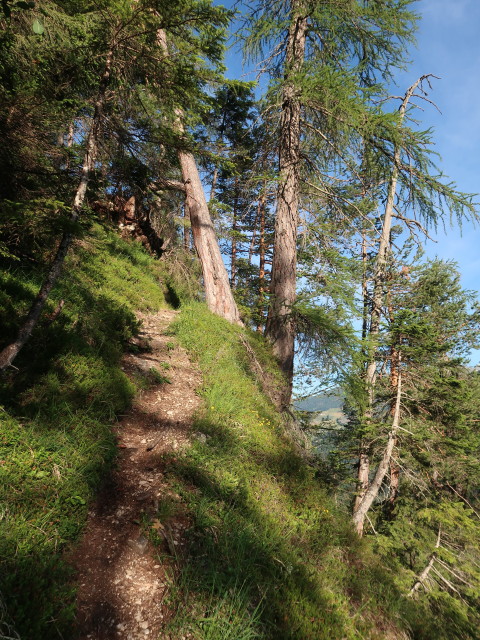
point(217, 287)
point(394, 373)
point(377, 303)
point(422, 577)
point(382, 256)
point(280, 326)
point(218, 293)
point(373, 489)
point(10, 352)
point(363, 475)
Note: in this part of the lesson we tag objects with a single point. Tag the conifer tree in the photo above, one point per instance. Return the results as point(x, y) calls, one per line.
point(126, 37)
point(412, 175)
point(315, 51)
point(435, 521)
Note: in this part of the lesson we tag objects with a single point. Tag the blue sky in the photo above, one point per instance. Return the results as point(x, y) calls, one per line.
point(449, 47)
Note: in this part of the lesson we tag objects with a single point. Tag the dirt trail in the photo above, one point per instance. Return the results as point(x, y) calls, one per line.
point(122, 582)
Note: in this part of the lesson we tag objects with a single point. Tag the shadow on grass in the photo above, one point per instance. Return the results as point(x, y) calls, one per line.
point(240, 538)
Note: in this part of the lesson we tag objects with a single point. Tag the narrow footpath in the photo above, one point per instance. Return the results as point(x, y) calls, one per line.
point(123, 579)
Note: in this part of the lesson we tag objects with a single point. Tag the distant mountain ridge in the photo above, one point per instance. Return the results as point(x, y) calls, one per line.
point(321, 402)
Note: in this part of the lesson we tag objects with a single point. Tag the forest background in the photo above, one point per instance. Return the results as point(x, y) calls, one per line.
point(447, 45)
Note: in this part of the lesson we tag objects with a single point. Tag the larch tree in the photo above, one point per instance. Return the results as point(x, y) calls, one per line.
point(415, 198)
point(312, 52)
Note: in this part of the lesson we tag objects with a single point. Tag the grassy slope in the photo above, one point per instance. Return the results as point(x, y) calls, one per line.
point(269, 556)
point(55, 439)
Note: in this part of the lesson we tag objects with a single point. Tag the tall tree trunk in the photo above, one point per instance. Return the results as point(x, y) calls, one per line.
point(382, 256)
point(280, 326)
point(379, 277)
point(374, 487)
point(363, 473)
point(10, 352)
point(261, 255)
point(394, 373)
point(218, 293)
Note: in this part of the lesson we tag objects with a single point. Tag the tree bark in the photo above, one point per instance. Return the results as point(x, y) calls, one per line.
point(394, 373)
point(377, 303)
point(363, 475)
point(10, 352)
point(218, 293)
point(233, 252)
point(280, 326)
point(372, 492)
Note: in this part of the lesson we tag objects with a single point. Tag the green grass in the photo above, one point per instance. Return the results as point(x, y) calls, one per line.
point(269, 555)
point(268, 552)
point(56, 441)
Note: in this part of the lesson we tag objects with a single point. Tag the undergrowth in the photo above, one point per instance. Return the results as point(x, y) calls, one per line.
point(268, 552)
point(56, 439)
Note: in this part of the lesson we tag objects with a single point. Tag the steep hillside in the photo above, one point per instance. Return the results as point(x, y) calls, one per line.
point(264, 551)
point(268, 553)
